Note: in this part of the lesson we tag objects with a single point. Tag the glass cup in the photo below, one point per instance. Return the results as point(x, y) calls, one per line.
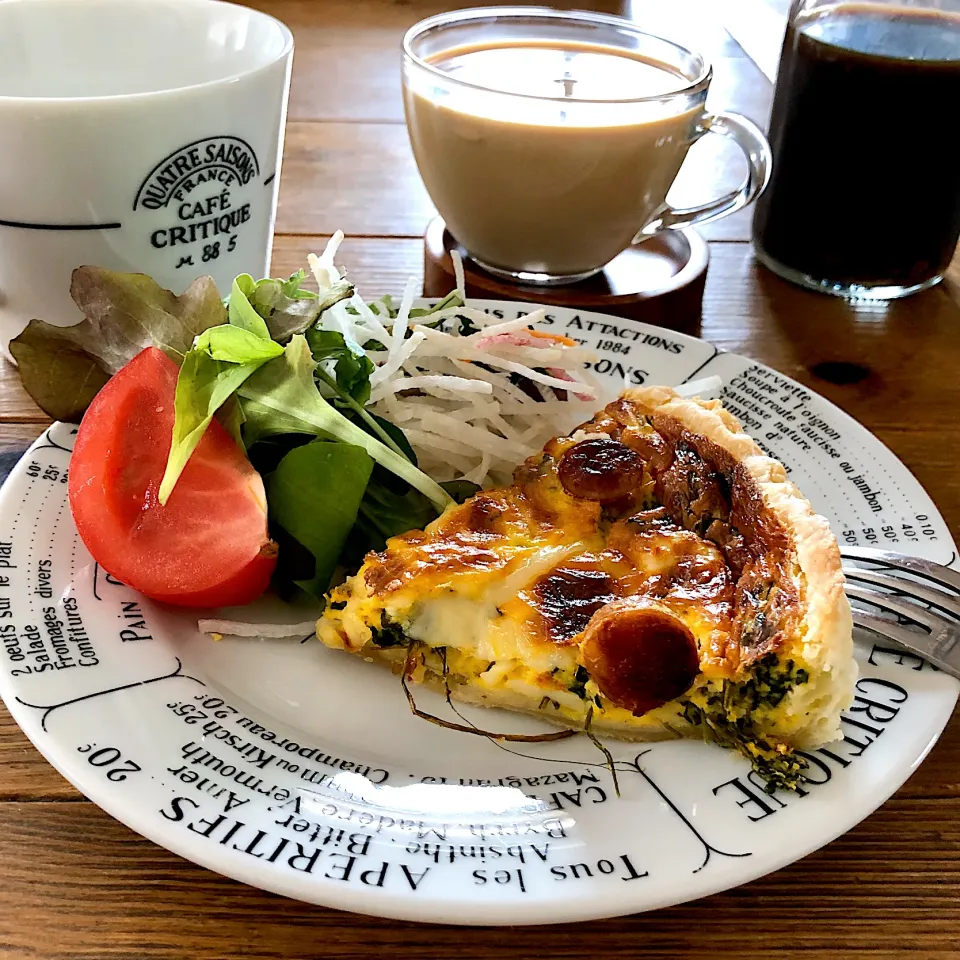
point(548, 140)
point(864, 201)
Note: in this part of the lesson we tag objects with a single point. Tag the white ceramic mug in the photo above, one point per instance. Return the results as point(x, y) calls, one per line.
point(139, 135)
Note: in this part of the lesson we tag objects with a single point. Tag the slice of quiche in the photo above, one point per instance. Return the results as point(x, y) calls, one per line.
point(653, 574)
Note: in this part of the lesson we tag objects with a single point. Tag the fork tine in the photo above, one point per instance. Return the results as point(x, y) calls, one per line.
point(897, 605)
point(910, 588)
point(900, 561)
point(904, 637)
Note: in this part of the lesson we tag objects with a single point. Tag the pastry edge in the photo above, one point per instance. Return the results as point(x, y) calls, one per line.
point(827, 622)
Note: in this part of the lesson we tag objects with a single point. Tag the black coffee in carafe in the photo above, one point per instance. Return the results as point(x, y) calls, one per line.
point(865, 193)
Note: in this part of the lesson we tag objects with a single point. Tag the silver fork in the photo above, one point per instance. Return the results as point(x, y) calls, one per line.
point(882, 585)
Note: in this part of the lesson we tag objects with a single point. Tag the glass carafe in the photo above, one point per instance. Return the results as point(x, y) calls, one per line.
point(864, 200)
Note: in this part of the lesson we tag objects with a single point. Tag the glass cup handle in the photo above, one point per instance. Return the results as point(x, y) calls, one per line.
point(756, 150)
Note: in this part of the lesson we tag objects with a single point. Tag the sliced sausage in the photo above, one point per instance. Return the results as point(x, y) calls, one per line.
point(600, 468)
point(639, 654)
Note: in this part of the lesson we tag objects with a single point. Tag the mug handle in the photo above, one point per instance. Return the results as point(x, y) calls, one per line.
point(756, 150)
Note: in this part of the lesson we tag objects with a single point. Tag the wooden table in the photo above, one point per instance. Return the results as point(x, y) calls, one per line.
point(76, 884)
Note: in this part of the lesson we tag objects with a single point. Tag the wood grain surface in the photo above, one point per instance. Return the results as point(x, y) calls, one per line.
point(76, 884)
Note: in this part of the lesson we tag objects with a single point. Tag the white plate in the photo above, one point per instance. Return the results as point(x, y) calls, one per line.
point(300, 770)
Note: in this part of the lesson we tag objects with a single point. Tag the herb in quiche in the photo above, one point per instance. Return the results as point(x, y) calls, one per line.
point(579, 684)
point(390, 635)
point(726, 716)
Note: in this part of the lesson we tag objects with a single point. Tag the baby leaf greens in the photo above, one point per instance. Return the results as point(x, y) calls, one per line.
point(345, 369)
point(282, 397)
point(314, 495)
point(319, 491)
point(286, 305)
point(241, 311)
point(221, 360)
point(352, 366)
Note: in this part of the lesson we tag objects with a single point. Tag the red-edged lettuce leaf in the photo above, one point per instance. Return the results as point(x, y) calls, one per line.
point(63, 368)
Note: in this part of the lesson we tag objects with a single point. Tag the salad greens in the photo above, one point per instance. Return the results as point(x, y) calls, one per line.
point(241, 312)
point(319, 491)
point(286, 306)
point(283, 397)
point(352, 368)
point(339, 479)
point(63, 368)
point(314, 495)
point(212, 371)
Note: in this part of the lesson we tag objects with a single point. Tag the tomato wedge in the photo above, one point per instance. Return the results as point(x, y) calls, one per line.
point(209, 546)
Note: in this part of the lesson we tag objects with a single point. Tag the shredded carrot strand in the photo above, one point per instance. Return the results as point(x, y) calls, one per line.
point(556, 337)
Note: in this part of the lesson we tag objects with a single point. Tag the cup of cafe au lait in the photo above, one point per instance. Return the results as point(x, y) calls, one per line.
point(548, 140)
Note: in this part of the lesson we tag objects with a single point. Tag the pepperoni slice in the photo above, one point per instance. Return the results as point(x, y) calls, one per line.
point(640, 656)
point(600, 468)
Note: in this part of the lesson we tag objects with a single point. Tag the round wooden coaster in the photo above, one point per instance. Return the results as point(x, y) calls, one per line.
point(659, 281)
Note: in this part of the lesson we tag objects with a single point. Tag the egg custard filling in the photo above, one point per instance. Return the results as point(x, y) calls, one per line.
point(652, 575)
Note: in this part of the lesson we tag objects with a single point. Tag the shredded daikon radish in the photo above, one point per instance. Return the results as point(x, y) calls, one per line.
point(479, 437)
point(479, 473)
point(322, 267)
point(396, 356)
point(399, 331)
point(439, 386)
point(475, 394)
point(550, 408)
point(439, 441)
point(507, 326)
point(458, 274)
point(369, 320)
point(540, 357)
point(504, 386)
point(238, 628)
point(337, 320)
point(530, 433)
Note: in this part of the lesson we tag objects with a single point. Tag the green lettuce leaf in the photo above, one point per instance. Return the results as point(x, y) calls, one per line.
point(387, 511)
point(241, 312)
point(282, 397)
point(398, 438)
point(350, 381)
point(351, 367)
point(219, 363)
point(287, 306)
point(237, 345)
point(461, 490)
point(230, 416)
point(58, 370)
point(385, 305)
point(384, 513)
point(314, 495)
point(452, 299)
point(132, 312)
point(330, 344)
point(63, 368)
